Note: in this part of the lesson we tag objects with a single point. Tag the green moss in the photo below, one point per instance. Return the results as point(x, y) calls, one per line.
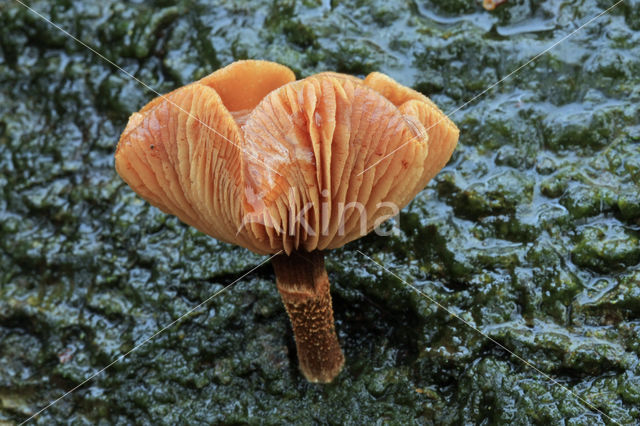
point(606, 248)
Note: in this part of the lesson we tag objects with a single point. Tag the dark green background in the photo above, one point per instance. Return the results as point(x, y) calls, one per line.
point(530, 233)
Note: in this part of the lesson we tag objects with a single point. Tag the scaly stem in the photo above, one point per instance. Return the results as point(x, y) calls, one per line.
point(304, 287)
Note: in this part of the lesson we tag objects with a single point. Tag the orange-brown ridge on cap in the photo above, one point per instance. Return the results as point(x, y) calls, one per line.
point(492, 4)
point(250, 156)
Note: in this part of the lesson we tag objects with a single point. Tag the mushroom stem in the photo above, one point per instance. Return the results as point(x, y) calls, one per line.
point(303, 284)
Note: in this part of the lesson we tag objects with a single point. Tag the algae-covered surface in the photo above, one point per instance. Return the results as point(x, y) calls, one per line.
point(530, 234)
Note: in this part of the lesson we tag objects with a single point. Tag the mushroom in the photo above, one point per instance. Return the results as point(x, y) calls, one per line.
point(492, 4)
point(250, 156)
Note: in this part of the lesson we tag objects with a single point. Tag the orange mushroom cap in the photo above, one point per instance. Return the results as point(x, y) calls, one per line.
point(492, 4)
point(250, 156)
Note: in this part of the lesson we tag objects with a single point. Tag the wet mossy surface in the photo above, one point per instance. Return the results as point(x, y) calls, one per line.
point(530, 234)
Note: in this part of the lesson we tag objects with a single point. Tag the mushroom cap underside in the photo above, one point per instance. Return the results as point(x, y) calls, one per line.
point(250, 156)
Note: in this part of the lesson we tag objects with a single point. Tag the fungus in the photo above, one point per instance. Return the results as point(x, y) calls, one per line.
point(250, 156)
point(492, 4)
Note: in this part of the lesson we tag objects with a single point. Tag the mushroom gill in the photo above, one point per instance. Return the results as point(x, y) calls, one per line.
point(252, 157)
